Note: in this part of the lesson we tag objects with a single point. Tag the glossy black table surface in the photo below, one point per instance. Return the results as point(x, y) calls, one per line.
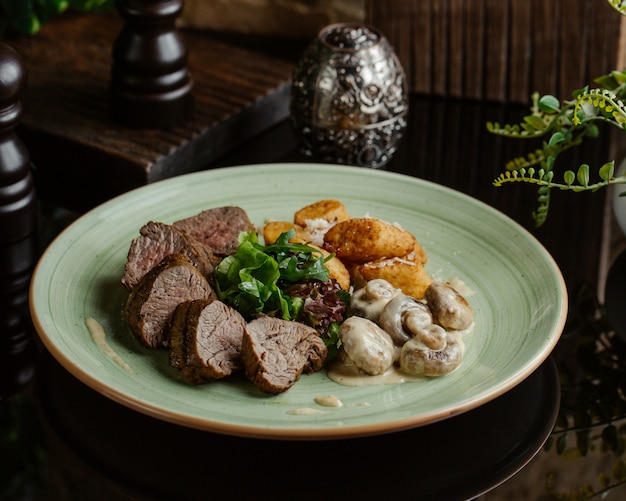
point(101, 445)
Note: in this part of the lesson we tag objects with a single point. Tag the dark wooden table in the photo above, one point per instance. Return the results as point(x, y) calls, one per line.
point(83, 158)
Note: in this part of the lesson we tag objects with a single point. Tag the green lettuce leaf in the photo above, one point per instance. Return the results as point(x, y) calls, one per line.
point(252, 279)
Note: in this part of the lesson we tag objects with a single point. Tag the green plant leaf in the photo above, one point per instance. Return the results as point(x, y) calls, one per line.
point(92, 5)
point(619, 76)
point(569, 177)
point(21, 16)
point(604, 479)
point(618, 5)
point(592, 131)
point(607, 81)
point(607, 171)
point(535, 122)
point(582, 175)
point(549, 104)
point(50, 8)
point(556, 138)
point(579, 92)
point(619, 471)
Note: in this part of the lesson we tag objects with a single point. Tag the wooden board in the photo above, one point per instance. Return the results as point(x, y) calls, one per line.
point(83, 157)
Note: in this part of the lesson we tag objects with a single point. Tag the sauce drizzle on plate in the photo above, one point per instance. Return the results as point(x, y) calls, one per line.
point(100, 338)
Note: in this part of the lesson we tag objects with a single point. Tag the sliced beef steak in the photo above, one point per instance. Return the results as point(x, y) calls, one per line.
point(205, 340)
point(153, 300)
point(157, 240)
point(217, 228)
point(276, 352)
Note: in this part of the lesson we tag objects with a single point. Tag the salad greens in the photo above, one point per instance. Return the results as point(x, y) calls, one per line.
point(284, 279)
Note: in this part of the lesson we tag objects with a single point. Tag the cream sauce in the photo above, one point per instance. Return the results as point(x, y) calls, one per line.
point(305, 411)
point(328, 401)
point(348, 374)
point(99, 337)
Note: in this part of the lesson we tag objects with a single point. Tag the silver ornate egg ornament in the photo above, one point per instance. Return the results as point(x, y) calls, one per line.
point(349, 97)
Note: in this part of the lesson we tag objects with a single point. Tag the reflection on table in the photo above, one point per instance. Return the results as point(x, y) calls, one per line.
point(97, 444)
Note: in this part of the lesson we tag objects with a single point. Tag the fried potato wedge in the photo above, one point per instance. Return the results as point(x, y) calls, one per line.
point(418, 254)
point(329, 210)
point(409, 276)
point(273, 229)
point(361, 240)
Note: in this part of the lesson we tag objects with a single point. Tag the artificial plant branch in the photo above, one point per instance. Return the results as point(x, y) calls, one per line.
point(567, 124)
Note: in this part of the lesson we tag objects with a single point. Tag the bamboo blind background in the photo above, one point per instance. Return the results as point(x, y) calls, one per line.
point(501, 49)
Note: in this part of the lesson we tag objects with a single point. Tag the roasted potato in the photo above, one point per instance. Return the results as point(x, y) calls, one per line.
point(361, 240)
point(273, 229)
point(365, 248)
point(418, 254)
point(329, 210)
point(409, 276)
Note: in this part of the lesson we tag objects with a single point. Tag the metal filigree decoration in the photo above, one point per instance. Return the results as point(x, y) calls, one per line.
point(349, 97)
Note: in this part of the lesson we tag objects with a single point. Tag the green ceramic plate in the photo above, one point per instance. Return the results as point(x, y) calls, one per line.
point(519, 299)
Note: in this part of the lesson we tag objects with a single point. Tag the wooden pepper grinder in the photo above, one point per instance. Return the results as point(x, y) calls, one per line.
point(150, 82)
point(18, 231)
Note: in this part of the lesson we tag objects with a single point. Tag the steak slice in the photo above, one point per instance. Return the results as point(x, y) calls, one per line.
point(157, 240)
point(152, 302)
point(276, 352)
point(205, 340)
point(217, 228)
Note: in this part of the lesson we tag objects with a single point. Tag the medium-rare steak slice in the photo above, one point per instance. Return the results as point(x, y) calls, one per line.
point(217, 228)
point(205, 340)
point(157, 240)
point(276, 352)
point(152, 302)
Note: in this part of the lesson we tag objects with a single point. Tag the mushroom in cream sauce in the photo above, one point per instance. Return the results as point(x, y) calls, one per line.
point(432, 337)
point(369, 301)
point(390, 330)
point(451, 310)
point(368, 346)
point(417, 360)
point(403, 316)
